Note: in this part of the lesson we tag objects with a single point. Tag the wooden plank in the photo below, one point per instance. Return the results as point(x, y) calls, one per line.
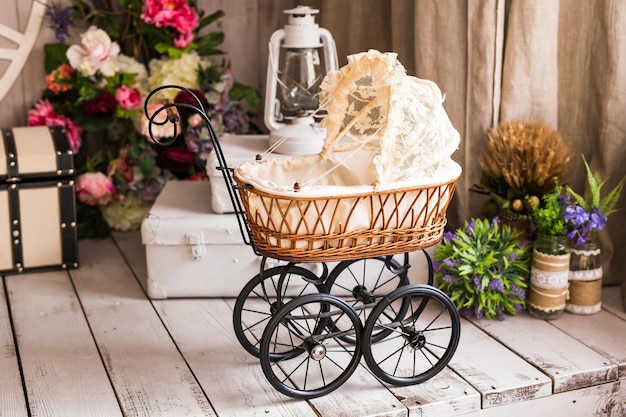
point(600, 400)
point(498, 374)
point(445, 394)
point(63, 371)
point(230, 376)
point(134, 252)
point(542, 344)
point(603, 332)
point(12, 401)
point(144, 365)
point(612, 301)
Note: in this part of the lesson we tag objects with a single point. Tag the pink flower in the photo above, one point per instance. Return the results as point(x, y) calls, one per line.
point(74, 132)
point(43, 115)
point(176, 14)
point(128, 98)
point(94, 188)
point(42, 111)
point(97, 53)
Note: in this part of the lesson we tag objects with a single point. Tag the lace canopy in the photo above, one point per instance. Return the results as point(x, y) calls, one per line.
point(373, 104)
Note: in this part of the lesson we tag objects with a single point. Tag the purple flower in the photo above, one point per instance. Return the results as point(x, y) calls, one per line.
point(451, 263)
point(60, 19)
point(449, 236)
point(235, 120)
point(496, 284)
point(465, 312)
point(469, 229)
point(511, 256)
point(448, 279)
point(437, 267)
point(477, 282)
point(519, 291)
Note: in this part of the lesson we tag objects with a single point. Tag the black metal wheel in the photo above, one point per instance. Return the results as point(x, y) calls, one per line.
point(362, 282)
point(420, 342)
point(313, 360)
point(261, 298)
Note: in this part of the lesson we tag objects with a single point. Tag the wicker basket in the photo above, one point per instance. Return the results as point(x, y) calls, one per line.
point(314, 229)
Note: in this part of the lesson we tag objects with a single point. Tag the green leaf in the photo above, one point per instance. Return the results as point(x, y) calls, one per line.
point(213, 17)
point(207, 45)
point(146, 165)
point(54, 56)
point(247, 93)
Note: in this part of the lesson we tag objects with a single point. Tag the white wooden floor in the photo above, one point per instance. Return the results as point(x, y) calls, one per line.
point(90, 343)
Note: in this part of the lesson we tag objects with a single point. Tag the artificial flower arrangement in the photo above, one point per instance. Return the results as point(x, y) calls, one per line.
point(564, 212)
point(484, 268)
point(96, 89)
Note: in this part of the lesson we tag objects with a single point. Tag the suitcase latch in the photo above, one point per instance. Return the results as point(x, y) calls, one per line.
point(196, 246)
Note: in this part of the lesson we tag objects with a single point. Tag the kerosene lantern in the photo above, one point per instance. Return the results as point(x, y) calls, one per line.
point(295, 71)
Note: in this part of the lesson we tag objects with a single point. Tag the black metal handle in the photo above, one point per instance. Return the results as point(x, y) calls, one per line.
point(172, 116)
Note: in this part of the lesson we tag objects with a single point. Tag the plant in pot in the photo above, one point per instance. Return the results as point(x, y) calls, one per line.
point(549, 273)
point(585, 215)
point(519, 162)
point(484, 268)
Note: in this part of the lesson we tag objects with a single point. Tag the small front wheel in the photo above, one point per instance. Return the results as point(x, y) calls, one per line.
point(419, 343)
point(313, 360)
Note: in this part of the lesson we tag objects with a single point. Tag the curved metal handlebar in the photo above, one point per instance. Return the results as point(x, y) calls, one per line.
point(172, 116)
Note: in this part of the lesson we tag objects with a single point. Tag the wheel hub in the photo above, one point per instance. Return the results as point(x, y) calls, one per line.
point(362, 294)
point(318, 352)
point(415, 339)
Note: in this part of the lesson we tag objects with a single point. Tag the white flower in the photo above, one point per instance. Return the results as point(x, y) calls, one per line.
point(169, 71)
point(97, 53)
point(130, 65)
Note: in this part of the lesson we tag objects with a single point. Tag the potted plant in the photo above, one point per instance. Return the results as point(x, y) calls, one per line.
point(584, 217)
point(550, 260)
point(484, 268)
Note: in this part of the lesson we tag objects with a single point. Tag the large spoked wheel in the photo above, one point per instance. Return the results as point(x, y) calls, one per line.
point(420, 342)
point(324, 362)
point(259, 300)
point(362, 282)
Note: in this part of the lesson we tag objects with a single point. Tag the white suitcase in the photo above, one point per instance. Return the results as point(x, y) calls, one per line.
point(237, 149)
point(192, 251)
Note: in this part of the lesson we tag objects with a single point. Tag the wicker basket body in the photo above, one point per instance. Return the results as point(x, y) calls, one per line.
point(297, 229)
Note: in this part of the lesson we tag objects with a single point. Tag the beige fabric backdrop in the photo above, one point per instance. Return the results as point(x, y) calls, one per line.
point(560, 61)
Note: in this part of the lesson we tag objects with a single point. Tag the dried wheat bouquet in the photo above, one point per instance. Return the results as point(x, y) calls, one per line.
point(528, 155)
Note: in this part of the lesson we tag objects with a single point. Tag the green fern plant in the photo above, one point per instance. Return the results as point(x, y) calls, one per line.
point(595, 199)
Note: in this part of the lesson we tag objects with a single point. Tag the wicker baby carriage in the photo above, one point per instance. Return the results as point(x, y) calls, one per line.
point(343, 223)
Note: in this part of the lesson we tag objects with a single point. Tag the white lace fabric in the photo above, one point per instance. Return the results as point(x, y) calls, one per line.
point(372, 102)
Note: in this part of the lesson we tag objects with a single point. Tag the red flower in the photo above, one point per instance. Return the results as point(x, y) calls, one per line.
point(186, 98)
point(177, 159)
point(101, 107)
